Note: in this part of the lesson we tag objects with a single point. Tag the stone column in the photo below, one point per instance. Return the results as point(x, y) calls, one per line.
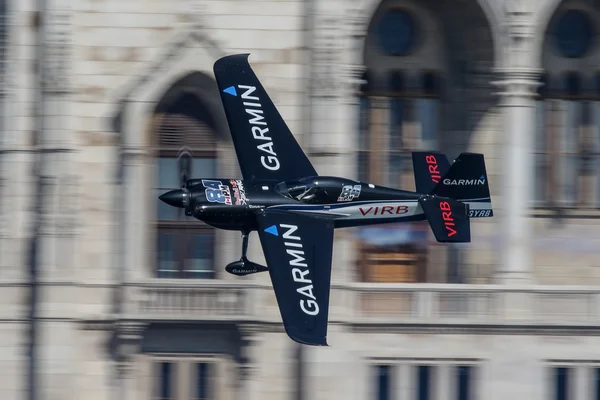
point(444, 386)
point(128, 342)
point(519, 81)
point(59, 144)
point(518, 109)
point(405, 380)
point(7, 145)
point(583, 387)
point(135, 161)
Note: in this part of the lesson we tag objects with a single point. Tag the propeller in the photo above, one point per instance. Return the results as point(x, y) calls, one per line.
point(185, 161)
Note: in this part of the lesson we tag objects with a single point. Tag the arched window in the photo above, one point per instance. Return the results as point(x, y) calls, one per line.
point(425, 88)
point(400, 113)
point(186, 148)
point(567, 144)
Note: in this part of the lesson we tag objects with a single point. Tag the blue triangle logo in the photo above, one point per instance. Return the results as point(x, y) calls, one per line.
point(272, 230)
point(482, 177)
point(231, 90)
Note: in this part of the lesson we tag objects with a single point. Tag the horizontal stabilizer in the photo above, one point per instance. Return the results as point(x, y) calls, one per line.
point(298, 249)
point(448, 219)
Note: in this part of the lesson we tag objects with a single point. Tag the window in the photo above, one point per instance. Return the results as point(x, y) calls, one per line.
point(201, 388)
point(397, 30)
point(384, 378)
point(395, 121)
point(184, 378)
point(561, 383)
point(166, 372)
point(573, 34)
point(567, 147)
point(424, 382)
point(185, 246)
point(464, 377)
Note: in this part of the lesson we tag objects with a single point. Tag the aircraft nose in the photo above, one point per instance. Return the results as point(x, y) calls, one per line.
point(176, 198)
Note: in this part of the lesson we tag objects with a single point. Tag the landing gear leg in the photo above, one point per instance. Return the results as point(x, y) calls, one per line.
point(244, 246)
point(244, 266)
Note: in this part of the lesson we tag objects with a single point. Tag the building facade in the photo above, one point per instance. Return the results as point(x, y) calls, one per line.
point(131, 298)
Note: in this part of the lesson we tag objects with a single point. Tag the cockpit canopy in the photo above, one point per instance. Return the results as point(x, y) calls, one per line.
point(303, 189)
point(313, 190)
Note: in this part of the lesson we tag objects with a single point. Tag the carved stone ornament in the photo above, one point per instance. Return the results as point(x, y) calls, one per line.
point(129, 338)
point(198, 12)
point(519, 22)
point(327, 50)
point(250, 338)
point(357, 19)
point(518, 82)
point(57, 53)
point(68, 203)
point(3, 206)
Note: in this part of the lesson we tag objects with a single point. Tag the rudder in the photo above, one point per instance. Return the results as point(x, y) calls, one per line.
point(467, 181)
point(429, 167)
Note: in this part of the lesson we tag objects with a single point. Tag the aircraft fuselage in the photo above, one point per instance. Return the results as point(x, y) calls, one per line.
point(232, 204)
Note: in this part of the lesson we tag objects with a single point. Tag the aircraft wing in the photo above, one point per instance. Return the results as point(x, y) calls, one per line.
point(265, 147)
point(298, 250)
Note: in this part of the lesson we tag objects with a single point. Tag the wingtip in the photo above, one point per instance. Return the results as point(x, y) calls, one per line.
point(309, 341)
point(231, 60)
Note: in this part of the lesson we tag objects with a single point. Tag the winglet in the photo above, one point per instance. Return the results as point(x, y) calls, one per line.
point(298, 336)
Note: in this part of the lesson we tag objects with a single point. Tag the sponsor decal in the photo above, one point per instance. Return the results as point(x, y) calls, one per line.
point(244, 271)
point(448, 218)
point(432, 166)
point(241, 271)
point(383, 210)
point(239, 192)
point(299, 269)
point(479, 213)
point(216, 192)
point(259, 128)
point(349, 193)
point(465, 182)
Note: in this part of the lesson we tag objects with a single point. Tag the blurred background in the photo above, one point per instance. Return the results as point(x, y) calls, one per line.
point(107, 294)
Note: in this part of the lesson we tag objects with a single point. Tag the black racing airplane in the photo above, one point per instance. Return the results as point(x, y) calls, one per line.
point(295, 210)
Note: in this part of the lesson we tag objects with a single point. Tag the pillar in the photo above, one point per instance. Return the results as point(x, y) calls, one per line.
point(518, 111)
point(134, 169)
point(129, 337)
point(583, 382)
point(519, 81)
point(444, 382)
point(7, 145)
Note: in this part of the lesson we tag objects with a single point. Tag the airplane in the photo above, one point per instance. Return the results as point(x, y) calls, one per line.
point(295, 210)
